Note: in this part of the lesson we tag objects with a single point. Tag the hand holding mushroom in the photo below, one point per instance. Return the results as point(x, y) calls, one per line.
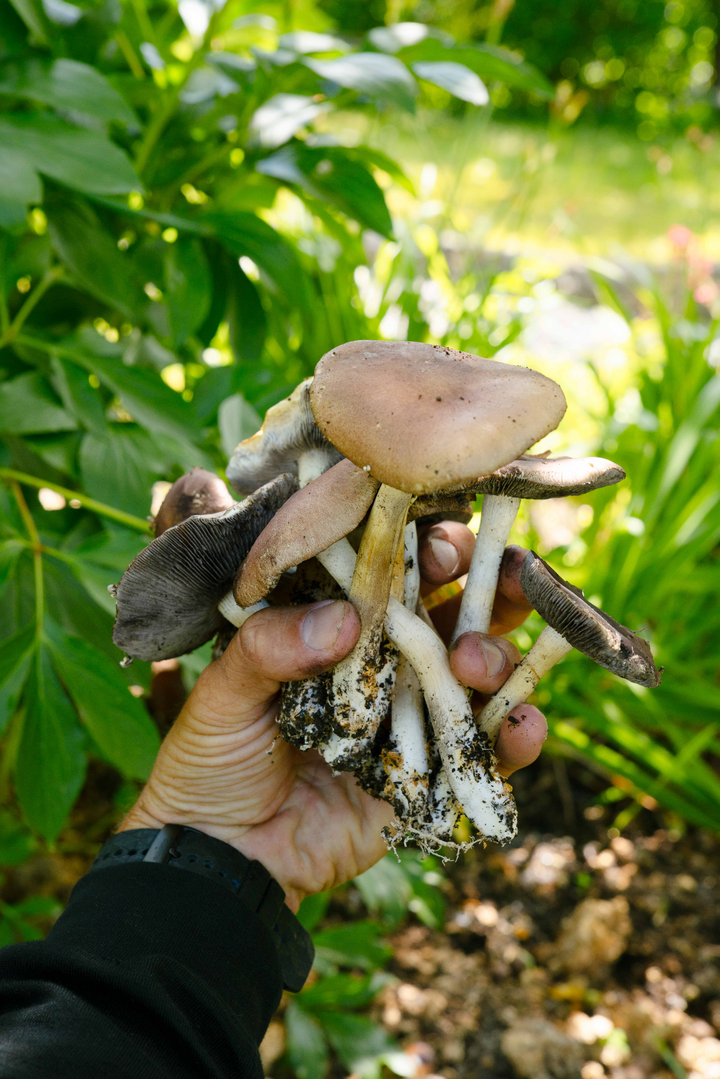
point(422, 429)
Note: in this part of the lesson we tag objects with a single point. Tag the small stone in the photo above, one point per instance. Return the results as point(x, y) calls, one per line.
point(538, 1050)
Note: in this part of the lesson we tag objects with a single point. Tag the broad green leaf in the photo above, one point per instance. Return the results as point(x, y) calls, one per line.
point(15, 654)
point(82, 159)
point(307, 41)
point(354, 944)
point(92, 255)
point(78, 396)
point(187, 287)
point(28, 405)
point(312, 909)
point(50, 765)
point(117, 721)
point(19, 185)
point(278, 119)
point(115, 470)
point(16, 842)
point(490, 62)
point(10, 551)
point(457, 79)
point(401, 34)
point(66, 84)
point(342, 991)
point(237, 420)
point(381, 77)
point(243, 233)
point(306, 1045)
point(30, 11)
point(361, 1044)
point(385, 889)
point(247, 321)
point(142, 392)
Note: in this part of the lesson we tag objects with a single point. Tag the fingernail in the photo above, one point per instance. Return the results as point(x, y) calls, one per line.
point(445, 553)
point(321, 626)
point(494, 657)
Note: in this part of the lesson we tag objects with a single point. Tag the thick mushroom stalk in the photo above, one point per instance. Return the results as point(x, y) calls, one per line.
point(573, 622)
point(527, 477)
point(470, 764)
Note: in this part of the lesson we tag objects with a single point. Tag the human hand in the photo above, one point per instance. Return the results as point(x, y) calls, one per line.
point(224, 769)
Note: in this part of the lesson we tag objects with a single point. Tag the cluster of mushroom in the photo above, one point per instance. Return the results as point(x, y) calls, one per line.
point(385, 435)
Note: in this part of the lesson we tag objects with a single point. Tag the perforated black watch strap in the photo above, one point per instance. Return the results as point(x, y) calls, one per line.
point(188, 849)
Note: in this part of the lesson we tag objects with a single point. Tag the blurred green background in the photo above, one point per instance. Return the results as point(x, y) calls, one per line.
point(198, 200)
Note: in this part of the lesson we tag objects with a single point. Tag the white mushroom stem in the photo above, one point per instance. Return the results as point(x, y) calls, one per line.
point(471, 768)
point(312, 463)
point(498, 514)
point(549, 649)
point(238, 615)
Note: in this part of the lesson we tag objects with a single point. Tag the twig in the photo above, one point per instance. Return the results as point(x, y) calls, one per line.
point(126, 519)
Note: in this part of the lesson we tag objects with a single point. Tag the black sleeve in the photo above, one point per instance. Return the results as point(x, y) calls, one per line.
point(150, 973)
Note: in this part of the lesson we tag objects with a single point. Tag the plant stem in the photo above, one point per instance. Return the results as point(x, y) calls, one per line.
point(33, 299)
point(154, 130)
point(123, 518)
point(129, 54)
point(37, 556)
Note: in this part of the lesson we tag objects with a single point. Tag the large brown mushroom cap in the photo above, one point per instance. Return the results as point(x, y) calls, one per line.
point(320, 513)
point(585, 626)
point(288, 430)
point(167, 599)
point(198, 491)
point(422, 417)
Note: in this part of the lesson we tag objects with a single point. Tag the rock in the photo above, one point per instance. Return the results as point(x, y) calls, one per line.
point(593, 936)
point(538, 1050)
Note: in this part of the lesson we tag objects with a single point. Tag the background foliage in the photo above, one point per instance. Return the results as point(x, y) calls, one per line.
point(194, 206)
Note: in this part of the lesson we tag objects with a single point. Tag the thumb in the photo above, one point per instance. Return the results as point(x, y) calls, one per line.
point(278, 644)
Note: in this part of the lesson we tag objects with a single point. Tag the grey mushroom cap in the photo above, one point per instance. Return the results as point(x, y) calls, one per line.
point(585, 626)
point(549, 477)
point(198, 491)
point(167, 599)
point(288, 430)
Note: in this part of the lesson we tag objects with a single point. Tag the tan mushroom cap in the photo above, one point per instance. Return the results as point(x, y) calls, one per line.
point(323, 511)
point(422, 417)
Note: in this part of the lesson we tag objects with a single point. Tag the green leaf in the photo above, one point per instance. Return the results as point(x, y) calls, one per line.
point(279, 118)
point(66, 84)
point(14, 663)
point(16, 843)
point(82, 159)
point(31, 14)
point(10, 551)
point(117, 721)
point(237, 420)
point(385, 889)
point(78, 396)
point(361, 1044)
point(243, 233)
point(187, 287)
point(115, 470)
point(312, 909)
point(246, 317)
point(307, 1049)
point(92, 254)
point(490, 62)
point(50, 765)
point(382, 78)
point(19, 185)
point(142, 392)
point(28, 405)
point(456, 78)
point(342, 991)
point(354, 944)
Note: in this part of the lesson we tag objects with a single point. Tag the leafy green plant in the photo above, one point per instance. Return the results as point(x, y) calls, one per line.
point(177, 246)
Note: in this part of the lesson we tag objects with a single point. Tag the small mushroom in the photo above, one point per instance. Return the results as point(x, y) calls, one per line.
point(469, 762)
point(572, 622)
point(288, 441)
point(197, 492)
point(527, 477)
point(321, 512)
point(419, 418)
point(174, 595)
